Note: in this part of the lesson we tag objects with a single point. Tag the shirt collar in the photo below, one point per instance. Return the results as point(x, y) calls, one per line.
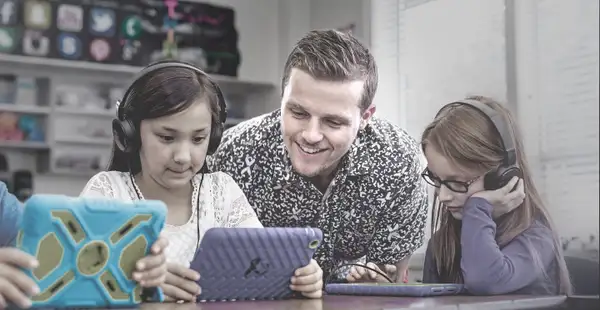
point(358, 159)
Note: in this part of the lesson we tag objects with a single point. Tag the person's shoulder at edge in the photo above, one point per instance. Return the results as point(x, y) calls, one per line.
point(393, 149)
point(11, 210)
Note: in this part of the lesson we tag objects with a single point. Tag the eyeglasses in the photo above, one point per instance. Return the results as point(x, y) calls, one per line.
point(455, 186)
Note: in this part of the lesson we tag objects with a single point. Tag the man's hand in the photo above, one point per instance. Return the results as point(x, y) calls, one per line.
point(180, 284)
point(308, 280)
point(361, 274)
point(15, 286)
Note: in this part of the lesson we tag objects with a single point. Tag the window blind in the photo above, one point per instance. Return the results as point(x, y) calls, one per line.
point(559, 71)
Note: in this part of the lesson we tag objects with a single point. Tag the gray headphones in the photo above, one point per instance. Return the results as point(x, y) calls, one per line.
point(509, 168)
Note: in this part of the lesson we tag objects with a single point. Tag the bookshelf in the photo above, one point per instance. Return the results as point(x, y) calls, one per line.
point(77, 140)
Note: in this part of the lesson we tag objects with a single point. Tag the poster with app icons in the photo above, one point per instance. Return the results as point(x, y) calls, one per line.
point(10, 30)
point(38, 37)
point(35, 43)
point(101, 27)
point(133, 39)
point(105, 31)
point(100, 50)
point(69, 46)
point(9, 13)
point(102, 21)
point(37, 14)
point(10, 38)
point(69, 17)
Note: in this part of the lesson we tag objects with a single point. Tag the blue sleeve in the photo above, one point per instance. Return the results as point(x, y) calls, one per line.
point(490, 270)
point(11, 211)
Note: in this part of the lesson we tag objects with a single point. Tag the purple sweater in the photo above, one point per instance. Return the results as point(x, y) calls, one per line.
point(488, 269)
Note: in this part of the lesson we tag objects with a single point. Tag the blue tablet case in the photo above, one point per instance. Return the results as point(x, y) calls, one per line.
point(252, 263)
point(87, 249)
point(394, 289)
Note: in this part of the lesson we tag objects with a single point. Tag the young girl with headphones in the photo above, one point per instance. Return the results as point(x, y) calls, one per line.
point(490, 230)
point(169, 119)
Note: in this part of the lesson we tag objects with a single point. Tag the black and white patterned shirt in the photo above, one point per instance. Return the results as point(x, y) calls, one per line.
point(373, 211)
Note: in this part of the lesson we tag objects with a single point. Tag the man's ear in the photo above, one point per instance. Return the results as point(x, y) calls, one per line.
point(366, 116)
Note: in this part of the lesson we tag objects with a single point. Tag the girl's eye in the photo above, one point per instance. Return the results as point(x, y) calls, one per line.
point(165, 138)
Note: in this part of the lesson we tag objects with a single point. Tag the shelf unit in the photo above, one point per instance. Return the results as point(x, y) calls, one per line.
point(63, 126)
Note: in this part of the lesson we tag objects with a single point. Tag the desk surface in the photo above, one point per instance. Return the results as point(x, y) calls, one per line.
point(377, 303)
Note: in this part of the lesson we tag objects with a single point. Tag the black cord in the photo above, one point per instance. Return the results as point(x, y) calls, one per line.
point(359, 265)
point(139, 195)
point(198, 214)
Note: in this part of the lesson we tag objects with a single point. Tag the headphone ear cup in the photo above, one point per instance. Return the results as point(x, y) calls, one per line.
point(495, 180)
point(490, 181)
point(124, 135)
point(215, 138)
point(508, 174)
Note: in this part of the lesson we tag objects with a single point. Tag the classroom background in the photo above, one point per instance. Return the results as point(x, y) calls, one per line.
point(63, 65)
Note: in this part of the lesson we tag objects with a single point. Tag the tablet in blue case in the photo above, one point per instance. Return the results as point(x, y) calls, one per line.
point(394, 289)
point(252, 263)
point(87, 249)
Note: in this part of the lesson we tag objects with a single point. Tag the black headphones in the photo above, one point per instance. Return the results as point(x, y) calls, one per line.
point(125, 134)
point(509, 168)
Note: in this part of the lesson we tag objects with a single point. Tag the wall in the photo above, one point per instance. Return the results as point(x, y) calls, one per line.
point(341, 13)
point(557, 78)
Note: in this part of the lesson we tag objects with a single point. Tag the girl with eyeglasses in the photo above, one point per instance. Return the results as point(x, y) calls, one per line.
point(492, 240)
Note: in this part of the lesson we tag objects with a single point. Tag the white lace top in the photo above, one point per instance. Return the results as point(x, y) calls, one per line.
point(222, 204)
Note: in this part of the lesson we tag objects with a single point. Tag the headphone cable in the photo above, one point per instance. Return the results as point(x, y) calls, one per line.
point(359, 265)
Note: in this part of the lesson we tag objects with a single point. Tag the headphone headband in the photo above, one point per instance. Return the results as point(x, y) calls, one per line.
point(121, 105)
point(125, 134)
point(500, 124)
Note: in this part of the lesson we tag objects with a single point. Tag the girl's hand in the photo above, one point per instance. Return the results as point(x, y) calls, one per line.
point(151, 271)
point(180, 284)
point(308, 280)
point(504, 199)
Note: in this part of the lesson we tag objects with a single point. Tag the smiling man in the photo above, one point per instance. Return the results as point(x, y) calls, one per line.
point(323, 160)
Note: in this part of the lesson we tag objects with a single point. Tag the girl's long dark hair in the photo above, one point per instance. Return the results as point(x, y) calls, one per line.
point(160, 93)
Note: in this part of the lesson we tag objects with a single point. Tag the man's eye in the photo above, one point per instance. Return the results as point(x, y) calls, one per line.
point(298, 113)
point(335, 124)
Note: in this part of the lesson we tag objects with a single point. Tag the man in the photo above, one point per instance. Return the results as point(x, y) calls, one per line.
point(323, 160)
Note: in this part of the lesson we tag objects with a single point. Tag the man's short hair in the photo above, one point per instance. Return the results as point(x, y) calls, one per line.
point(332, 55)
